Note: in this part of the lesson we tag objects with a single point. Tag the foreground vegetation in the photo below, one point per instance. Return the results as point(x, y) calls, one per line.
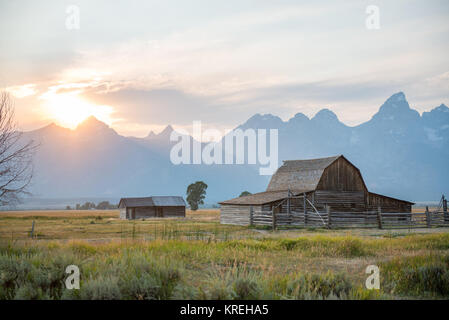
point(197, 258)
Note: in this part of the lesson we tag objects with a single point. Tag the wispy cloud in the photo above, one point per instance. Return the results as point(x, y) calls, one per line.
point(22, 91)
point(156, 63)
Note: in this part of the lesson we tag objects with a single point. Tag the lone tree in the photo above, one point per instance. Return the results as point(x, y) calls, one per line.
point(16, 170)
point(245, 193)
point(87, 206)
point(104, 205)
point(196, 192)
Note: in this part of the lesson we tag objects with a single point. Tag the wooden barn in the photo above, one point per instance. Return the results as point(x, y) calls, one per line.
point(148, 207)
point(314, 185)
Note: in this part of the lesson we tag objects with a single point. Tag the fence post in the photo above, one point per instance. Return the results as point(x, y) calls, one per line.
point(305, 209)
point(251, 216)
point(379, 217)
point(427, 217)
point(329, 219)
point(446, 215)
point(32, 230)
point(274, 218)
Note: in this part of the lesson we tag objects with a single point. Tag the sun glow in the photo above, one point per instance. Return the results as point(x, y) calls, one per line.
point(68, 109)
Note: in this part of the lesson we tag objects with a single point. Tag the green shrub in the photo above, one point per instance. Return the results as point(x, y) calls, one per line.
point(246, 289)
point(13, 274)
point(186, 292)
point(347, 247)
point(365, 294)
point(144, 287)
point(102, 288)
point(432, 280)
point(49, 279)
point(290, 244)
point(315, 286)
point(218, 290)
point(351, 248)
point(30, 292)
point(246, 284)
point(417, 276)
point(22, 275)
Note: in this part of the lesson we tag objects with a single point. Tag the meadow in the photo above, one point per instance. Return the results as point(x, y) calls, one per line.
point(198, 258)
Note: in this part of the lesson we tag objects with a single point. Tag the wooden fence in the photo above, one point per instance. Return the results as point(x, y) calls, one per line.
point(267, 218)
point(367, 219)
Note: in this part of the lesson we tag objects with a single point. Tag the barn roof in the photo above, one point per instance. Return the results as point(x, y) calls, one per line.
point(261, 197)
point(172, 201)
point(299, 174)
point(396, 199)
point(156, 201)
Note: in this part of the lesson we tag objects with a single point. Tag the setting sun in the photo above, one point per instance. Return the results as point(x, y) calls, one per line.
point(68, 109)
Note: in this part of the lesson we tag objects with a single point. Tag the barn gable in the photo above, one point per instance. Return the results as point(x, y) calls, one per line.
point(341, 175)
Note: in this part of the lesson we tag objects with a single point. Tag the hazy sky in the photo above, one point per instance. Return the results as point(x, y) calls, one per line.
point(140, 65)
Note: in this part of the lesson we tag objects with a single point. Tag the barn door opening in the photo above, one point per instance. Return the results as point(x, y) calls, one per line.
point(133, 213)
point(159, 212)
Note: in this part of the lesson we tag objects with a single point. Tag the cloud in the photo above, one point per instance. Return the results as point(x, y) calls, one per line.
point(172, 106)
point(22, 91)
point(156, 63)
point(440, 81)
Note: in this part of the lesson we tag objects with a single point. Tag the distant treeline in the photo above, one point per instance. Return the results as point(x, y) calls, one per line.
point(103, 205)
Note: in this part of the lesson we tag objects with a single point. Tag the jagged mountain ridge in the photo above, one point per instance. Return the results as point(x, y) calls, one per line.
point(399, 152)
point(95, 161)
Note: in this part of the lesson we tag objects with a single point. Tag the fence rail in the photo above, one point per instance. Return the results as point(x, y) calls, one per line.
point(367, 219)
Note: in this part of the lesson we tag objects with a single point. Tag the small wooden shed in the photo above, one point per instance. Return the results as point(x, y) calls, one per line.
point(332, 181)
point(148, 207)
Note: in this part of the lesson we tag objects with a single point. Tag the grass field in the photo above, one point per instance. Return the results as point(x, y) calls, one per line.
point(198, 258)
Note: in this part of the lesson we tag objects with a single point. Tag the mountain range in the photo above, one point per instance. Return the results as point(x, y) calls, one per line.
point(399, 152)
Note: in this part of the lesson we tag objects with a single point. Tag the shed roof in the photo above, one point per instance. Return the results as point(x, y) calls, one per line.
point(172, 201)
point(396, 199)
point(300, 174)
point(261, 197)
point(156, 201)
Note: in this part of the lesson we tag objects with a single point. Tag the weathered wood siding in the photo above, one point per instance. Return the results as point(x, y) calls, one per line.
point(342, 187)
point(387, 204)
point(341, 175)
point(236, 214)
point(344, 201)
point(173, 211)
point(144, 212)
point(149, 212)
point(296, 205)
